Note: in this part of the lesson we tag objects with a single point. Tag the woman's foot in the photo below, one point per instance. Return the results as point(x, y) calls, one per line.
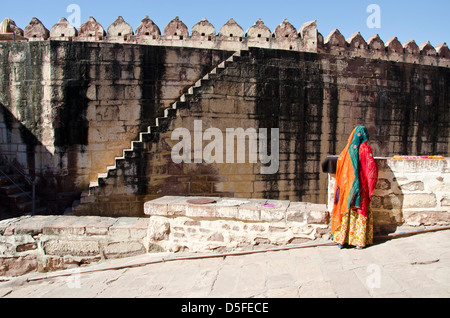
point(340, 246)
point(359, 247)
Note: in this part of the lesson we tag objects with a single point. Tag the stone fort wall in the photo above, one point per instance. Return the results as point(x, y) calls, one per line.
point(232, 37)
point(91, 112)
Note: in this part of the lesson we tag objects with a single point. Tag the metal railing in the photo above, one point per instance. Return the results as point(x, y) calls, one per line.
point(31, 182)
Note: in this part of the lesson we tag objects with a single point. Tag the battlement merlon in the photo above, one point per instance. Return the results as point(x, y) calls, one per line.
point(232, 37)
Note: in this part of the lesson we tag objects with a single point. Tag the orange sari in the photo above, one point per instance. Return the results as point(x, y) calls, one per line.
point(356, 179)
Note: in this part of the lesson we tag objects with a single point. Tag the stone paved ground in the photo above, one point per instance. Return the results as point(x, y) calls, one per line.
point(413, 266)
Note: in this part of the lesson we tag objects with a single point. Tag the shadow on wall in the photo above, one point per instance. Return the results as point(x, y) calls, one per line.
point(20, 147)
point(17, 142)
point(387, 201)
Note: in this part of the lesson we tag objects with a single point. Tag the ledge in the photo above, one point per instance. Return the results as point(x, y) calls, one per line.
point(232, 224)
point(246, 210)
point(49, 243)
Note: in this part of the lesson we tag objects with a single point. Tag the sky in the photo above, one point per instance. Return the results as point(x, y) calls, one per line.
point(407, 20)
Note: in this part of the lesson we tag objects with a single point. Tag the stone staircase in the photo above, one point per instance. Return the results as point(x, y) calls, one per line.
point(150, 135)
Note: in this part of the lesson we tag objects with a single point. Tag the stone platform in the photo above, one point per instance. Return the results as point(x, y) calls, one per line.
point(178, 224)
point(49, 243)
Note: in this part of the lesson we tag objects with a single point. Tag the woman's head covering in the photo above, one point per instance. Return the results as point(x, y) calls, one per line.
point(360, 136)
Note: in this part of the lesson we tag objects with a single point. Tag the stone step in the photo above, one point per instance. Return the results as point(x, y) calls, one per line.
point(13, 188)
point(27, 206)
point(5, 169)
point(6, 180)
point(20, 197)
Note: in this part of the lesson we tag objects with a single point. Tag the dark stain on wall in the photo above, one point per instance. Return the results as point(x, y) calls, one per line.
point(70, 123)
point(290, 97)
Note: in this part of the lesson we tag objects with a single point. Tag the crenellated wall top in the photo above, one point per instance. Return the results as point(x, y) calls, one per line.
point(231, 36)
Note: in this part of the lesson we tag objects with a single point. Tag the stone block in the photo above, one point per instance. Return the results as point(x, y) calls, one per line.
point(430, 218)
point(99, 226)
point(123, 249)
point(138, 230)
point(177, 206)
point(18, 266)
point(201, 211)
point(274, 211)
point(419, 200)
point(66, 225)
point(226, 212)
point(413, 186)
point(32, 226)
point(317, 216)
point(377, 201)
point(10, 245)
point(113, 92)
point(222, 106)
point(158, 229)
point(391, 201)
point(445, 200)
point(296, 212)
point(250, 211)
point(129, 227)
point(383, 184)
point(157, 206)
point(71, 247)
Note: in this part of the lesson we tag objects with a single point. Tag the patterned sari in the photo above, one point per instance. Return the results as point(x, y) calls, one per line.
point(356, 179)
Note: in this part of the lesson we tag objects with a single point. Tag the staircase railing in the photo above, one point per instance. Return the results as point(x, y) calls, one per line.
point(31, 182)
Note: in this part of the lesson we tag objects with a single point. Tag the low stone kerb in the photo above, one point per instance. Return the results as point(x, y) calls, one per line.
point(254, 210)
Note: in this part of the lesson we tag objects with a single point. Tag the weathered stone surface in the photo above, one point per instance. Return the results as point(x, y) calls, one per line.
point(445, 201)
point(413, 186)
point(285, 30)
point(120, 28)
point(91, 30)
point(159, 229)
point(231, 29)
point(427, 49)
point(411, 48)
point(63, 30)
point(74, 248)
point(9, 26)
point(255, 222)
point(36, 31)
point(148, 28)
point(203, 28)
point(419, 200)
point(258, 30)
point(394, 46)
point(335, 38)
point(318, 217)
point(356, 41)
point(18, 266)
point(176, 28)
point(48, 243)
point(393, 201)
point(430, 218)
point(383, 184)
point(123, 249)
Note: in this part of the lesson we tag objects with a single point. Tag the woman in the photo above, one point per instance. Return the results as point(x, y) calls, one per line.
point(356, 179)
